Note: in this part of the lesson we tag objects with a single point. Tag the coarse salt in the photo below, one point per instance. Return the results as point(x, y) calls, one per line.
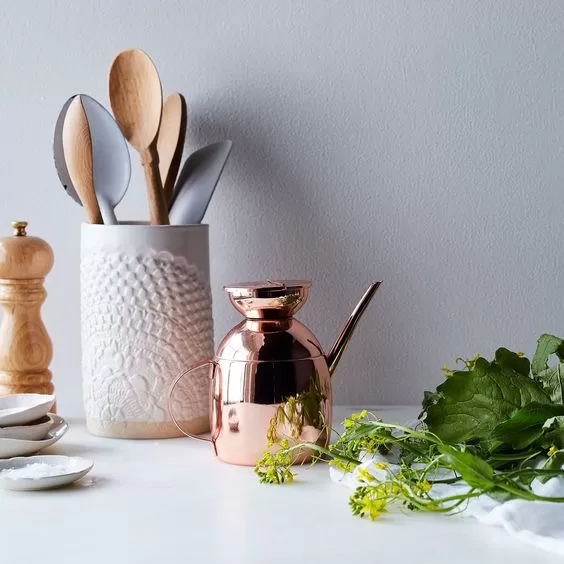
point(35, 471)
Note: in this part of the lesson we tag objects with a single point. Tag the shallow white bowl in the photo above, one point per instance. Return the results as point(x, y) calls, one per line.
point(70, 469)
point(34, 431)
point(19, 447)
point(19, 409)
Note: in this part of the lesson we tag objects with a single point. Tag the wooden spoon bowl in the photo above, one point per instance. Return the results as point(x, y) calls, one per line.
point(137, 101)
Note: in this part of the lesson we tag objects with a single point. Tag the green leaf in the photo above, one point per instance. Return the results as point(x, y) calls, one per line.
point(552, 381)
point(554, 435)
point(551, 378)
point(547, 345)
point(472, 403)
point(554, 462)
point(475, 471)
point(508, 359)
point(512, 458)
point(525, 426)
point(429, 399)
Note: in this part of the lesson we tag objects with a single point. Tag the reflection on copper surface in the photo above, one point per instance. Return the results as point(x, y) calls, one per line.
point(233, 420)
point(270, 299)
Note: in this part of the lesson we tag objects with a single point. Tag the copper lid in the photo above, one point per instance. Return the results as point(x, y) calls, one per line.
point(269, 299)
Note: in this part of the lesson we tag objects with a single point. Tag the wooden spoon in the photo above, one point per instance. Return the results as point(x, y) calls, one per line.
point(170, 143)
point(137, 101)
point(77, 146)
point(59, 154)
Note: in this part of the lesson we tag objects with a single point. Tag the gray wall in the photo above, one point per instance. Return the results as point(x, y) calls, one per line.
point(418, 142)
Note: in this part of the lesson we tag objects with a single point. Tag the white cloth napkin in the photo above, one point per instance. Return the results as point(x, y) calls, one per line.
point(539, 523)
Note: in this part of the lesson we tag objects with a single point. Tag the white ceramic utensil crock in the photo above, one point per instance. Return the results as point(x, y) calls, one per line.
point(146, 317)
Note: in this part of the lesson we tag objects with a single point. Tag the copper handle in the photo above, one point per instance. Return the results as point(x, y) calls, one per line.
point(174, 420)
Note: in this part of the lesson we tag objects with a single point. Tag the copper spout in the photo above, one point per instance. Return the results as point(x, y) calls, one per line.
point(340, 345)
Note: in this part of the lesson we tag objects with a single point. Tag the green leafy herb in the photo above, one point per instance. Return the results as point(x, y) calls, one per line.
point(487, 427)
point(471, 403)
point(276, 467)
point(547, 345)
point(527, 425)
point(475, 471)
point(555, 462)
point(551, 378)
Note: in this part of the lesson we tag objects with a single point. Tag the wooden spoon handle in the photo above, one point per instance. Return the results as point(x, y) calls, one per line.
point(157, 206)
point(170, 142)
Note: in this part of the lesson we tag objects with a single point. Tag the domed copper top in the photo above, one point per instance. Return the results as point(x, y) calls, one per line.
point(23, 257)
point(270, 299)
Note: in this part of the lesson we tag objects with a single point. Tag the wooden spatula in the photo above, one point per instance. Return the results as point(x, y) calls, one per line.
point(77, 147)
point(170, 143)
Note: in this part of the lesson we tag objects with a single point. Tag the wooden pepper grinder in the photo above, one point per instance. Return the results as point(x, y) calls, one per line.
point(25, 346)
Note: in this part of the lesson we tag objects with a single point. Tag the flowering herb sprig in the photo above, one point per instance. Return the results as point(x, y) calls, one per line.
point(275, 467)
point(515, 437)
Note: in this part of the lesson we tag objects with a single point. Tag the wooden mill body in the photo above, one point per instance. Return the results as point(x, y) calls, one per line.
point(25, 346)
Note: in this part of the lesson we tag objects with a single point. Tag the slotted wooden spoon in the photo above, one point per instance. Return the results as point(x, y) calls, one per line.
point(137, 101)
point(170, 143)
point(77, 147)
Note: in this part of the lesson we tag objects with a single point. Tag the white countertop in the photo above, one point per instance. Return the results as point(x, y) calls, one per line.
point(171, 502)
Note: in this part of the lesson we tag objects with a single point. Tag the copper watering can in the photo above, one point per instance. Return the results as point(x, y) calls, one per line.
point(270, 378)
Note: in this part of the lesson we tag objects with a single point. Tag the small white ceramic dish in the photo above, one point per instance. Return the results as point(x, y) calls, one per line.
point(18, 447)
point(31, 473)
point(19, 409)
point(34, 431)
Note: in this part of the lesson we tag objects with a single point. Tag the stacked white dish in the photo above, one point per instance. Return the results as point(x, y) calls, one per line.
point(26, 426)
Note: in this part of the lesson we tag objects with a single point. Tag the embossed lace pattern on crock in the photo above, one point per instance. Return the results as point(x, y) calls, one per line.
point(146, 317)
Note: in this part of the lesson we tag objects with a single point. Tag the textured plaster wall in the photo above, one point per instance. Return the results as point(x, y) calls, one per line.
point(418, 142)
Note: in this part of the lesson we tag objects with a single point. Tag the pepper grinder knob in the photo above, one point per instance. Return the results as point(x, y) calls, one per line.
point(19, 228)
point(25, 347)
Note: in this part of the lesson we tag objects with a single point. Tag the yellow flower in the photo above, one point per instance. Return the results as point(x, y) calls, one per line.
point(354, 417)
point(424, 486)
point(365, 475)
point(343, 466)
point(552, 451)
point(373, 507)
point(471, 362)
